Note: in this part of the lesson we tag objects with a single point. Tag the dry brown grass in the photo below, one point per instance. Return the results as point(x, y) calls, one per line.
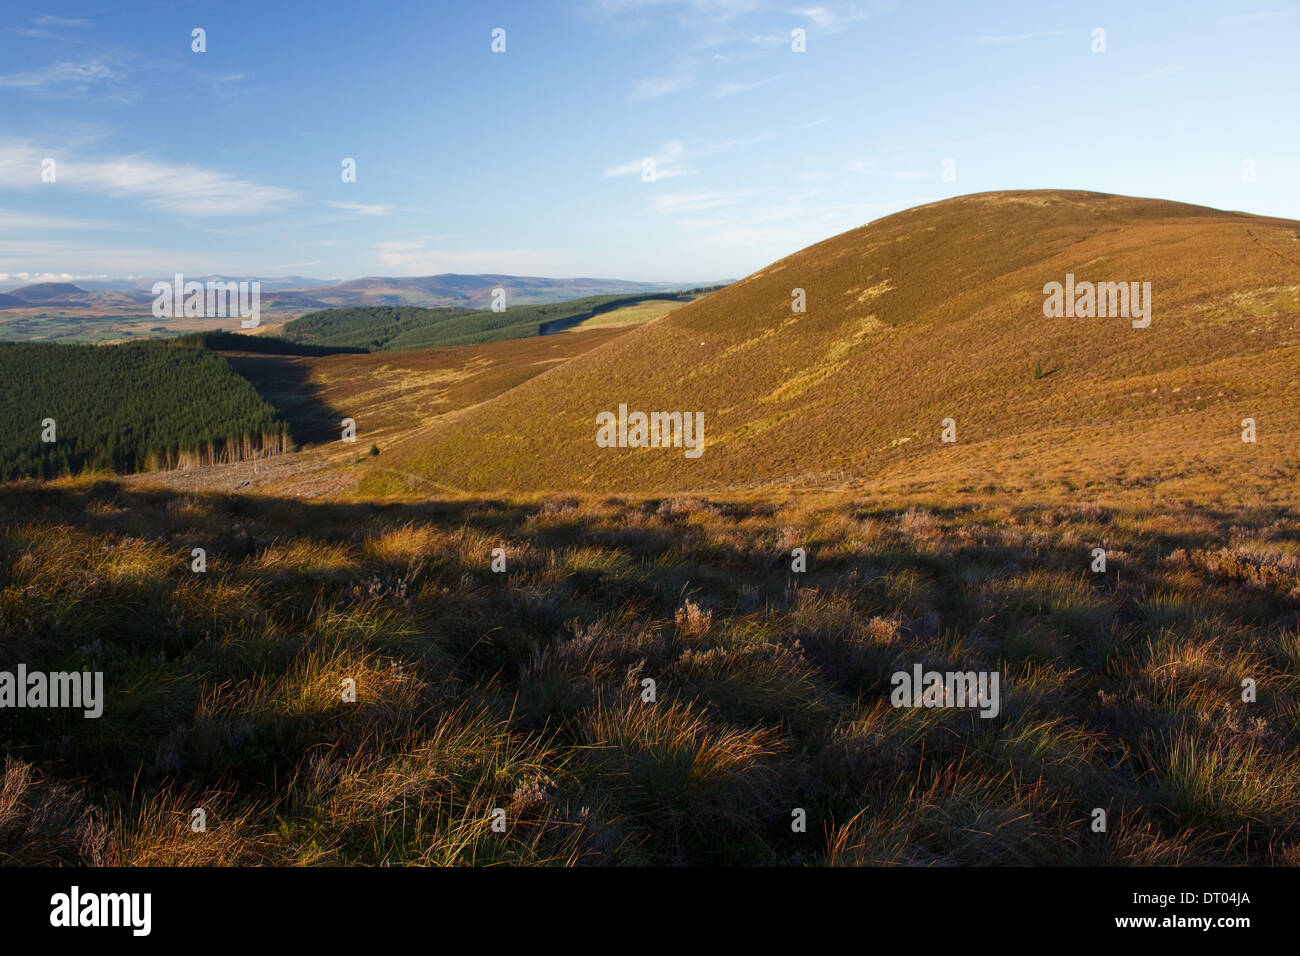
point(525, 691)
point(952, 326)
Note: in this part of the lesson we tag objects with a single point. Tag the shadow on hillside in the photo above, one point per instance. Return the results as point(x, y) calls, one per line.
point(655, 529)
point(284, 382)
point(106, 504)
point(230, 680)
point(572, 559)
point(156, 514)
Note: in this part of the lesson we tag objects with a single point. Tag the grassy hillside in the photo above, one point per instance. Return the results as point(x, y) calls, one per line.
point(394, 393)
point(389, 395)
point(930, 314)
point(523, 690)
point(396, 329)
point(638, 314)
point(125, 407)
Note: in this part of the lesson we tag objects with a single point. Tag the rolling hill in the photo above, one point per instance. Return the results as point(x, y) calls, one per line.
point(47, 291)
point(934, 313)
point(45, 294)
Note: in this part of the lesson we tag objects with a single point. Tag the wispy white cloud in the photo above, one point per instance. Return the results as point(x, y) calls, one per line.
point(67, 78)
point(670, 161)
point(361, 209)
point(667, 163)
point(828, 19)
point(186, 189)
point(41, 33)
point(52, 21)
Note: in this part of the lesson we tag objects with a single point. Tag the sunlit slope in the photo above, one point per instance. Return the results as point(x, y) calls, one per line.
point(931, 314)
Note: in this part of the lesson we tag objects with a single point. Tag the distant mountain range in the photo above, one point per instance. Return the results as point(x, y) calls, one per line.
point(299, 294)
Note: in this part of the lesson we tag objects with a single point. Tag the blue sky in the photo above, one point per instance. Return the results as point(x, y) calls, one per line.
point(529, 161)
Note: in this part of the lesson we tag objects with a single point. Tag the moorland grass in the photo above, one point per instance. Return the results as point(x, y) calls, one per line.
point(524, 691)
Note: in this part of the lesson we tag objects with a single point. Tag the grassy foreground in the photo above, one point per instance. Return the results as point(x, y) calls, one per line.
point(522, 691)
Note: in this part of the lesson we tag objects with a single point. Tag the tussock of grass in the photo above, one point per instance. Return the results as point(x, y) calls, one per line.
point(43, 823)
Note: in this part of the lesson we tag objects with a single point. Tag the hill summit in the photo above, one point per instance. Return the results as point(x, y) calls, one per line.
point(991, 341)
